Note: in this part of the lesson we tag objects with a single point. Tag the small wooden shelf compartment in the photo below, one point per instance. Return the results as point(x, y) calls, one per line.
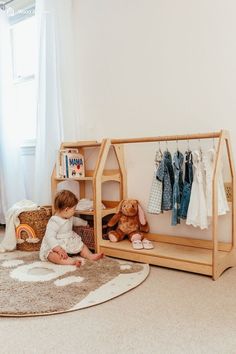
point(91, 177)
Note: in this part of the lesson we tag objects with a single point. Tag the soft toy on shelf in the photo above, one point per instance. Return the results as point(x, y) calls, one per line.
point(131, 222)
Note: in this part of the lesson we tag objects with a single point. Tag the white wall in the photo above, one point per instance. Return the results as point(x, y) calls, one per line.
point(150, 67)
point(153, 67)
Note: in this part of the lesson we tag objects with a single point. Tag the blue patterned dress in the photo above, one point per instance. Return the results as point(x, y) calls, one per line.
point(178, 160)
point(165, 174)
point(188, 180)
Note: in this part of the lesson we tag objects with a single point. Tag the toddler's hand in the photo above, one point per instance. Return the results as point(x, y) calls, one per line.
point(61, 252)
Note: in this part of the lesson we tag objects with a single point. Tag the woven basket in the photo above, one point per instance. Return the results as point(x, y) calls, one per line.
point(87, 232)
point(32, 228)
point(87, 235)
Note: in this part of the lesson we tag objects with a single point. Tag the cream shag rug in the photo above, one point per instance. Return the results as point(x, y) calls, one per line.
point(29, 287)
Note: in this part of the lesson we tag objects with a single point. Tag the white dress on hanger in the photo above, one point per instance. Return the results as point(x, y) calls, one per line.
point(223, 207)
point(197, 210)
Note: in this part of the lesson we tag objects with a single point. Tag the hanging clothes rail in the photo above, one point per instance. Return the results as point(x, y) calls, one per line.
point(209, 257)
point(167, 138)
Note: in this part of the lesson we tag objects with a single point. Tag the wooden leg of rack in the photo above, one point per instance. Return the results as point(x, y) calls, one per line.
point(224, 262)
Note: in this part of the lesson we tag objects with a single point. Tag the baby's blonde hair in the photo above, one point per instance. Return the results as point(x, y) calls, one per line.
point(65, 199)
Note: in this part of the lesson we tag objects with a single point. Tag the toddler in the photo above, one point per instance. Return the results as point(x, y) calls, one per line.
point(60, 239)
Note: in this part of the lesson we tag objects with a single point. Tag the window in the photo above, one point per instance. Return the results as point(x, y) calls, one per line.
point(23, 39)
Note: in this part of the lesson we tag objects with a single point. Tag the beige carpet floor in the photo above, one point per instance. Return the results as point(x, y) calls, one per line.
point(171, 312)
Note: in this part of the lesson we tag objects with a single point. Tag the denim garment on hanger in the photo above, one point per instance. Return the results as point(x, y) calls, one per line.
point(178, 160)
point(188, 180)
point(165, 174)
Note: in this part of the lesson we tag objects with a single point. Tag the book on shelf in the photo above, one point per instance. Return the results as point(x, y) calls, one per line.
point(70, 164)
point(73, 165)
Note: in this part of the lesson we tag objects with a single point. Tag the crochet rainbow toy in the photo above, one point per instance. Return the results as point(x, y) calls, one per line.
point(31, 237)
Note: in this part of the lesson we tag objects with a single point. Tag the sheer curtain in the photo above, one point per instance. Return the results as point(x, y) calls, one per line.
point(57, 118)
point(12, 188)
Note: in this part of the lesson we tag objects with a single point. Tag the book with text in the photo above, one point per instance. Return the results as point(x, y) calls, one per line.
point(60, 170)
point(73, 165)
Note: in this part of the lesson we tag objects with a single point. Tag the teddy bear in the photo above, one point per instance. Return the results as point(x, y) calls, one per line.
point(131, 222)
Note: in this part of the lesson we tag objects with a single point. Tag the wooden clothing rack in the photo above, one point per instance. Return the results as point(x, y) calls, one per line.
point(209, 257)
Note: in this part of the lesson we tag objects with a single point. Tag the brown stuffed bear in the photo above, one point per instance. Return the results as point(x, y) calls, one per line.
point(131, 222)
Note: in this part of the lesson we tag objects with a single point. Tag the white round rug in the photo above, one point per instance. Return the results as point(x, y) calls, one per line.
point(30, 287)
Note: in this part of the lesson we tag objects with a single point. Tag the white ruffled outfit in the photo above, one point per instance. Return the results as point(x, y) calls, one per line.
point(197, 210)
point(222, 200)
point(59, 233)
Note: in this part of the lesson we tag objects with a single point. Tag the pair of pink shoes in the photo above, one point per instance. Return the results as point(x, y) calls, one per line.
point(145, 243)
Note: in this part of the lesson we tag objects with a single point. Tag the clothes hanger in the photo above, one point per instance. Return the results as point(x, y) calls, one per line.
point(177, 146)
point(187, 153)
point(211, 151)
point(167, 146)
point(200, 148)
point(213, 143)
point(188, 147)
point(158, 154)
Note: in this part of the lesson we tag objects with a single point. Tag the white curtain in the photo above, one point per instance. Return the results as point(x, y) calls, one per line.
point(12, 188)
point(57, 110)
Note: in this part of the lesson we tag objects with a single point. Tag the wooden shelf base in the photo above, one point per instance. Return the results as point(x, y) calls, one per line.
point(187, 258)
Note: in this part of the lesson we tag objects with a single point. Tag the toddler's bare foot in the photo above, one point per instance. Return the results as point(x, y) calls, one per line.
point(96, 256)
point(56, 258)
